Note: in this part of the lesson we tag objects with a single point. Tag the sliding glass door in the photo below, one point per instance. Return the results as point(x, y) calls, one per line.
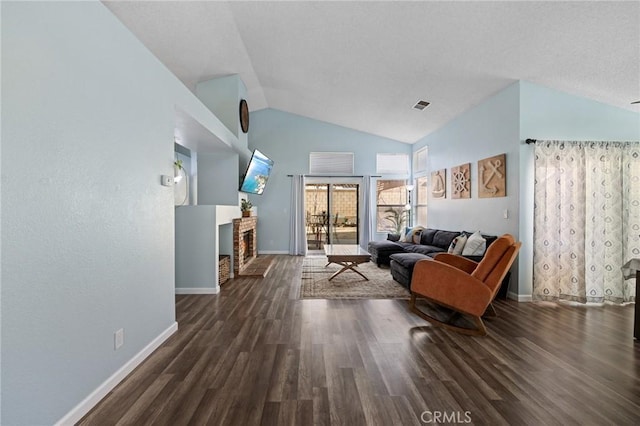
point(332, 211)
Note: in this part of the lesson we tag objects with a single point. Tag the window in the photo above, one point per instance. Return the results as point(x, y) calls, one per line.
point(421, 191)
point(391, 199)
point(420, 160)
point(396, 164)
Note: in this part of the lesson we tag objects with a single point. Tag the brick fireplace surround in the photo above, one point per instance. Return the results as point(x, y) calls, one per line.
point(242, 226)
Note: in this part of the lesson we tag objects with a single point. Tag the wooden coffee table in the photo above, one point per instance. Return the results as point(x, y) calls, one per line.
point(347, 255)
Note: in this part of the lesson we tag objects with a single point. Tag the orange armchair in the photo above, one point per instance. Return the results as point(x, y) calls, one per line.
point(463, 286)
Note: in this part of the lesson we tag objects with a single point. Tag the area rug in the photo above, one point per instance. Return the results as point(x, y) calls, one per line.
point(347, 285)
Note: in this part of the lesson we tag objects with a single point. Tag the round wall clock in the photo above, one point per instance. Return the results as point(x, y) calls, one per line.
point(244, 116)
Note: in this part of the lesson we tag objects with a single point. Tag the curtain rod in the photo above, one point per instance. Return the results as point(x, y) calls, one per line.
point(337, 176)
point(530, 141)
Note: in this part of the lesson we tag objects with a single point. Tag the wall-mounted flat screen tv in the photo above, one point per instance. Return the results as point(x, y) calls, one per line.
point(257, 174)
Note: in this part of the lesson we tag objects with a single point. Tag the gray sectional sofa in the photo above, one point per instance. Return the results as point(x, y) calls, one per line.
point(402, 256)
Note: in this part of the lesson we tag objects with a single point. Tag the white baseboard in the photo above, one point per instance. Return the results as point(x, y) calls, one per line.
point(101, 391)
point(198, 290)
point(519, 297)
point(273, 252)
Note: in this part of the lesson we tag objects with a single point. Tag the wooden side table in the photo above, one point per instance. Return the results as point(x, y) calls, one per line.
point(630, 269)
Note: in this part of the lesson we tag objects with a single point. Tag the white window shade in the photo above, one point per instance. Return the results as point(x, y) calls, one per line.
point(331, 163)
point(397, 164)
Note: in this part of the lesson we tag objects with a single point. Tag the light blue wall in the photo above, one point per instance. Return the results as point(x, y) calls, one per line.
point(488, 129)
point(501, 124)
point(287, 139)
point(195, 247)
point(553, 115)
point(218, 178)
point(222, 96)
point(87, 232)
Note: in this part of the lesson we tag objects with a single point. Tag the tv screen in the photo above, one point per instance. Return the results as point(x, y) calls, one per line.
point(257, 173)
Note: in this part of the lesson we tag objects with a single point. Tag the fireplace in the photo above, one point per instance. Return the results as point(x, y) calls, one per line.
point(245, 242)
point(247, 245)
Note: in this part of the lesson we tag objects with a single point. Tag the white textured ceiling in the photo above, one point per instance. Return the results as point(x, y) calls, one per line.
point(363, 65)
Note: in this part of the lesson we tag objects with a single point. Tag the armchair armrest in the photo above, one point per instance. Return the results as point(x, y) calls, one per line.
point(450, 286)
point(456, 261)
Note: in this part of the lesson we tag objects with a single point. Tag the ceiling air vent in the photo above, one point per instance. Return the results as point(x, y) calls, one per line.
point(421, 105)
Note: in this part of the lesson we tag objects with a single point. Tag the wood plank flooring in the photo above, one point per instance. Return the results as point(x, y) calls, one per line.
point(258, 267)
point(257, 355)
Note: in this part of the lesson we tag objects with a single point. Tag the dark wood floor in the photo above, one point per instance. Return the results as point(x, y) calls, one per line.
point(255, 354)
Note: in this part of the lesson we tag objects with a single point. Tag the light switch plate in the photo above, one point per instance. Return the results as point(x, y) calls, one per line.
point(118, 339)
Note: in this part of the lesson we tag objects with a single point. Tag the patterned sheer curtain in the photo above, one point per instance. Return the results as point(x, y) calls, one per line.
point(586, 220)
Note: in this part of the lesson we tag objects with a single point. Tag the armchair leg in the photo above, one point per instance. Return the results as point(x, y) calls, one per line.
point(490, 312)
point(479, 330)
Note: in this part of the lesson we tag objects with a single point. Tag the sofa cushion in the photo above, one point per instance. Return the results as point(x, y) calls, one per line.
point(380, 250)
point(393, 237)
point(385, 246)
point(427, 250)
point(443, 239)
point(427, 236)
point(408, 260)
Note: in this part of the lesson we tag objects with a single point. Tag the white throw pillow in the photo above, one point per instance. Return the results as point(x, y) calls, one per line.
point(457, 245)
point(475, 246)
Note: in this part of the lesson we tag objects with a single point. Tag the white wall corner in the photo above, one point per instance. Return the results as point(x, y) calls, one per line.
point(520, 297)
point(101, 391)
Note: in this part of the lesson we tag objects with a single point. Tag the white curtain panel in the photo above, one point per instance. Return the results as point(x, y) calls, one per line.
point(297, 231)
point(586, 220)
point(367, 228)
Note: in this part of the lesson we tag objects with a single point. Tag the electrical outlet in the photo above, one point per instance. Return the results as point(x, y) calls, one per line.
point(118, 339)
point(505, 214)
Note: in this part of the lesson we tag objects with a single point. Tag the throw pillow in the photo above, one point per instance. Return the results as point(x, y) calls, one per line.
point(417, 236)
point(475, 246)
point(408, 238)
point(406, 235)
point(457, 245)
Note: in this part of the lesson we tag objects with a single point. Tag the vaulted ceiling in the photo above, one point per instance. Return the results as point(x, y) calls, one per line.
point(363, 65)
